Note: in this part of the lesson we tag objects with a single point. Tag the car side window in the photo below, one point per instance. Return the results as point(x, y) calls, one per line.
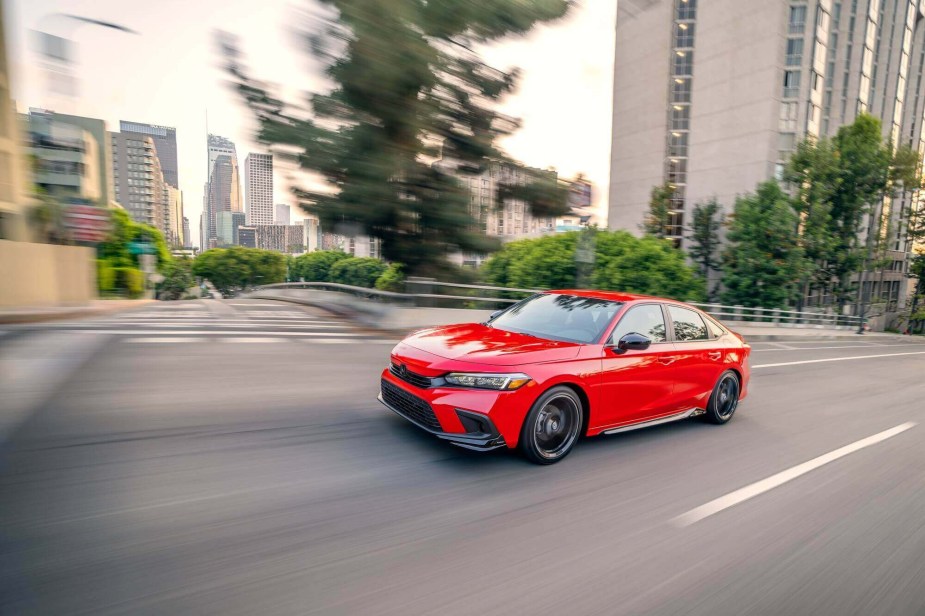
point(688, 325)
point(715, 328)
point(646, 320)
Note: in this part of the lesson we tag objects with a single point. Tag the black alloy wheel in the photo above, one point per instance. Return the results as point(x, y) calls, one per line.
point(552, 426)
point(725, 398)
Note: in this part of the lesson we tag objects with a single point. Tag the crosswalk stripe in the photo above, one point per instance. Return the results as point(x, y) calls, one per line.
point(252, 340)
point(162, 340)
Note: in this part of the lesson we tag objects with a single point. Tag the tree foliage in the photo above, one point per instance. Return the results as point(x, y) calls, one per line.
point(621, 262)
point(357, 271)
point(178, 279)
point(392, 279)
point(406, 86)
point(763, 262)
point(237, 268)
point(316, 266)
point(706, 220)
point(659, 214)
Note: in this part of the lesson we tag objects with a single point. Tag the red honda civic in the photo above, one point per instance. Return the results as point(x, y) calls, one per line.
point(560, 364)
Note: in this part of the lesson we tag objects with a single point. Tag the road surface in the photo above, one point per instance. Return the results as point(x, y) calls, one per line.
point(229, 457)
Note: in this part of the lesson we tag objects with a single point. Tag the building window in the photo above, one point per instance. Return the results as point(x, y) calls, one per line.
point(686, 9)
point(684, 35)
point(791, 84)
point(677, 170)
point(677, 144)
point(680, 90)
point(680, 117)
point(794, 52)
point(797, 19)
point(683, 63)
point(788, 117)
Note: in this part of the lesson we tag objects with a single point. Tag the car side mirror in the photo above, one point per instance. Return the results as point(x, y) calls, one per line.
point(633, 342)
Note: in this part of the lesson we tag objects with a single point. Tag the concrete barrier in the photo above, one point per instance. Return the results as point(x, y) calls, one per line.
point(46, 274)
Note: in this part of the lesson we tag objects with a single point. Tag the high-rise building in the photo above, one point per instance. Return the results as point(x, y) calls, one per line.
point(165, 142)
point(281, 238)
point(223, 188)
point(65, 158)
point(247, 237)
point(187, 238)
point(312, 238)
point(713, 97)
point(228, 225)
point(175, 208)
point(282, 214)
point(139, 181)
point(258, 188)
point(96, 129)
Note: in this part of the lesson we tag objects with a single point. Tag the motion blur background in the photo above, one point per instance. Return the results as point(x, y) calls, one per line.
point(216, 218)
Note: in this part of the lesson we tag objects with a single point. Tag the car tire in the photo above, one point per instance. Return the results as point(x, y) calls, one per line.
point(552, 426)
point(725, 398)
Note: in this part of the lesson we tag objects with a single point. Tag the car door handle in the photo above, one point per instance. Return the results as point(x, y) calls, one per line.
point(667, 360)
point(715, 355)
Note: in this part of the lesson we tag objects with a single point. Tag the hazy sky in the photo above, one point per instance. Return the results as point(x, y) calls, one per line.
point(169, 74)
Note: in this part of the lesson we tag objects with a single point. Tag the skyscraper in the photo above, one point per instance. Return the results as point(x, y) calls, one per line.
point(175, 207)
point(187, 238)
point(139, 180)
point(713, 97)
point(223, 188)
point(258, 188)
point(282, 214)
point(165, 142)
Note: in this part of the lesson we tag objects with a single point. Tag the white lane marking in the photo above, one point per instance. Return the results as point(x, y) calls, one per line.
point(251, 339)
point(333, 341)
point(853, 346)
point(161, 340)
point(819, 361)
point(760, 487)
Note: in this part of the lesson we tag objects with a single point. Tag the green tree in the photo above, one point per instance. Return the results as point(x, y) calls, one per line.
point(178, 279)
point(237, 268)
point(316, 266)
point(392, 279)
point(763, 261)
point(406, 86)
point(659, 214)
point(706, 220)
point(622, 262)
point(357, 271)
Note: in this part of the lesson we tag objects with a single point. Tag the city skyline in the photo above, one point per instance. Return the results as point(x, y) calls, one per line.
point(194, 98)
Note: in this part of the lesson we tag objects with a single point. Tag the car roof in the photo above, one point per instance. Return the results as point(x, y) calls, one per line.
point(613, 296)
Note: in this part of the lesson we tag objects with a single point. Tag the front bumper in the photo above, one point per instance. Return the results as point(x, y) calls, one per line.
point(477, 441)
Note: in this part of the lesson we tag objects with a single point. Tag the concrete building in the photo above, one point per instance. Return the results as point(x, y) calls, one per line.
point(282, 214)
point(713, 97)
point(353, 245)
point(228, 225)
point(13, 218)
point(139, 180)
point(258, 188)
point(222, 190)
point(96, 129)
point(247, 237)
point(65, 158)
point(187, 237)
point(281, 238)
point(165, 142)
point(312, 235)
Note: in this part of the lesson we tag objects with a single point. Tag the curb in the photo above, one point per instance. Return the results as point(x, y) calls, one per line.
point(67, 313)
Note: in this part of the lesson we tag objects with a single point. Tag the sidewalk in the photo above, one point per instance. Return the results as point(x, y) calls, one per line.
point(37, 314)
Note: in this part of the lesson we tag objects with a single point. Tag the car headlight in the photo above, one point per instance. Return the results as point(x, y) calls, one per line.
point(479, 380)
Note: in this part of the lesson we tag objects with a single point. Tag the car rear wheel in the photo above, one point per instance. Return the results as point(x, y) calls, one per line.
point(725, 398)
point(552, 426)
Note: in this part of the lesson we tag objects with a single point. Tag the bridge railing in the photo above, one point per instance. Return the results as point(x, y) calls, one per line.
point(427, 293)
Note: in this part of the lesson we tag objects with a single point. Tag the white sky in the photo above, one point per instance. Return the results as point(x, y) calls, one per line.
point(169, 74)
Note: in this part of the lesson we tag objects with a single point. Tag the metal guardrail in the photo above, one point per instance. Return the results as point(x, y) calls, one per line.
point(425, 298)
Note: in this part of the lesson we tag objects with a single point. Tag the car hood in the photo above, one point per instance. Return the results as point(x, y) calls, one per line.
point(477, 343)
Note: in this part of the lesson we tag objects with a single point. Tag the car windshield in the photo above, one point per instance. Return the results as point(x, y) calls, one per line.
point(567, 318)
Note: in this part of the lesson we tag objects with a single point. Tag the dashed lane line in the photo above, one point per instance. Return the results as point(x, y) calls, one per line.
point(820, 361)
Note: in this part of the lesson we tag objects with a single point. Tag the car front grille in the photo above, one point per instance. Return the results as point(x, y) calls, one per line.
point(410, 377)
point(409, 405)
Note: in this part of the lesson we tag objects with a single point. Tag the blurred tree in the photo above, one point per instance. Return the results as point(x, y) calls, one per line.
point(763, 262)
point(392, 279)
point(237, 268)
point(622, 262)
point(178, 279)
point(316, 266)
point(408, 86)
point(656, 220)
point(358, 271)
point(706, 221)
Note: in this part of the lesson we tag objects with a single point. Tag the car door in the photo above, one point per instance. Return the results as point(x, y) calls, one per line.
point(637, 384)
point(699, 356)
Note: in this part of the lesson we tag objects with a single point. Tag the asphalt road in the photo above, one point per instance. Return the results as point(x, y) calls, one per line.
point(230, 458)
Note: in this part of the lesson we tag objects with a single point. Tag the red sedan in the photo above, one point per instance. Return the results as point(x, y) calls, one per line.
point(560, 364)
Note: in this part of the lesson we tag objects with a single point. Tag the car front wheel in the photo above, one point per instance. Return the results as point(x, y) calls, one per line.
point(552, 426)
point(724, 399)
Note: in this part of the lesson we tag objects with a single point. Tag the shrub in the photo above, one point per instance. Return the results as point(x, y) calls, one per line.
point(130, 280)
point(357, 271)
point(392, 279)
point(105, 276)
point(316, 266)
